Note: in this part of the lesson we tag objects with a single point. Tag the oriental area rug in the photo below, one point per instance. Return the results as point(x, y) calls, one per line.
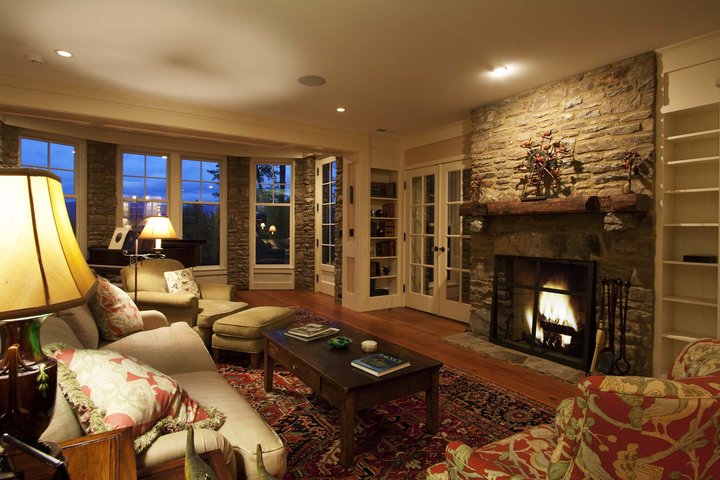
point(390, 439)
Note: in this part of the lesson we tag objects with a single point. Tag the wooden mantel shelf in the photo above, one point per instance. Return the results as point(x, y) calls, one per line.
point(623, 202)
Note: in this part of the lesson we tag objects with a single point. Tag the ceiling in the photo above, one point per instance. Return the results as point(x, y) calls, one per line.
point(405, 66)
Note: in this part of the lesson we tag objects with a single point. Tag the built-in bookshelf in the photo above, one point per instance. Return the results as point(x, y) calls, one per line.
point(688, 225)
point(384, 232)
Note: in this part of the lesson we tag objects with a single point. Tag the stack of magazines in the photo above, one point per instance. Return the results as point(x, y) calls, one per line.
point(311, 331)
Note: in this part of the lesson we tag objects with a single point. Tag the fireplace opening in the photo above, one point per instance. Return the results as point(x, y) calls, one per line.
point(545, 307)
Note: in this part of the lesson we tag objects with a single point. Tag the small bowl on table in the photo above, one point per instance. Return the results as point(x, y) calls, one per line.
point(340, 342)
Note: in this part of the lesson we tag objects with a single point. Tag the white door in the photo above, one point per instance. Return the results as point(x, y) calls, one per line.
point(438, 253)
point(325, 225)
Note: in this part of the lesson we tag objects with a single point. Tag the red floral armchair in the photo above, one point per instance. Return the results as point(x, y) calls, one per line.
point(616, 427)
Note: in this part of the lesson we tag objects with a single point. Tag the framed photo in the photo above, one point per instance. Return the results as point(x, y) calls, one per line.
point(117, 241)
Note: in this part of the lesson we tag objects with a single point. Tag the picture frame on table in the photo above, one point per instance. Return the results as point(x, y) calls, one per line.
point(120, 237)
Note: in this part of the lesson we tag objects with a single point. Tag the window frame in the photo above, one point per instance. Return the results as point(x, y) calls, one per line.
point(174, 194)
point(221, 203)
point(253, 212)
point(79, 174)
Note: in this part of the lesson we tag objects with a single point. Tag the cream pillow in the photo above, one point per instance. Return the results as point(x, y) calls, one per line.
point(115, 313)
point(182, 281)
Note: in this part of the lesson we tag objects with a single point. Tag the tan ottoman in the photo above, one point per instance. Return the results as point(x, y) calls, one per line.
point(243, 331)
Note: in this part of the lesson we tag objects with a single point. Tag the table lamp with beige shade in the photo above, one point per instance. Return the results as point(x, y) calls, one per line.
point(158, 229)
point(42, 270)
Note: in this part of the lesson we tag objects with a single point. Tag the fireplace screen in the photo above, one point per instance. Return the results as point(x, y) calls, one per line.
point(545, 307)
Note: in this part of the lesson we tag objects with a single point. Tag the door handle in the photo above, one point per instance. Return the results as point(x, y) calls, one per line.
point(442, 249)
point(435, 249)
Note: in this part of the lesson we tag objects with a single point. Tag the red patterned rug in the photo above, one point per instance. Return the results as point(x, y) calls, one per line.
point(390, 440)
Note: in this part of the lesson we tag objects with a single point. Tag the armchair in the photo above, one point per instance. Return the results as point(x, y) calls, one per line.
point(216, 299)
point(616, 427)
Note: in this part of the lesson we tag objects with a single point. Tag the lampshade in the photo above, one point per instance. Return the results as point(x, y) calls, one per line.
point(272, 229)
point(42, 268)
point(158, 228)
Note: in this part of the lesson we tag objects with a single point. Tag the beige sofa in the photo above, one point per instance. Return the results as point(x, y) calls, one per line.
point(176, 350)
point(217, 299)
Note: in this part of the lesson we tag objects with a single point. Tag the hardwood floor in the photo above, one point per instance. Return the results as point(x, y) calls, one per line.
point(422, 332)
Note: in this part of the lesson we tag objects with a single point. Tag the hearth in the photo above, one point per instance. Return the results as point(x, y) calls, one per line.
point(545, 307)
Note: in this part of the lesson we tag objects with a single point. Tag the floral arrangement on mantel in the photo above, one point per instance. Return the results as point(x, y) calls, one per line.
point(631, 162)
point(542, 164)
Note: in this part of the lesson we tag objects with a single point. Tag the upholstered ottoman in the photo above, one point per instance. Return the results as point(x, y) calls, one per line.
point(243, 331)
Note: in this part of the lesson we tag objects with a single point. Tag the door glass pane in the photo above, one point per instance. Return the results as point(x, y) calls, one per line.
point(453, 219)
point(416, 249)
point(454, 255)
point(416, 223)
point(430, 189)
point(428, 285)
point(454, 186)
point(453, 286)
point(416, 279)
point(430, 220)
point(417, 190)
point(429, 253)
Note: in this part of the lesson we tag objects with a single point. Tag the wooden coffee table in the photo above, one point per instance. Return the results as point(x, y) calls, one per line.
point(329, 373)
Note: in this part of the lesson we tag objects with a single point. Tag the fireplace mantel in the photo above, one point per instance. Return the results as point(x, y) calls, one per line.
point(623, 202)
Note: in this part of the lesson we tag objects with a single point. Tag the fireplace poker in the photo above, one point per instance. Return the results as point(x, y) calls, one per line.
point(621, 364)
point(607, 356)
point(600, 334)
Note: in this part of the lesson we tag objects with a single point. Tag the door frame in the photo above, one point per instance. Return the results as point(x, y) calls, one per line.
point(324, 273)
point(437, 303)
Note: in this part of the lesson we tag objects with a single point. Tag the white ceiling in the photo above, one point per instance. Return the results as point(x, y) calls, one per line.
point(407, 66)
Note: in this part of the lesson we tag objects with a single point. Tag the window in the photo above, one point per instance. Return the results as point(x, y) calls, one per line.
point(273, 209)
point(144, 188)
point(201, 206)
point(58, 158)
point(327, 209)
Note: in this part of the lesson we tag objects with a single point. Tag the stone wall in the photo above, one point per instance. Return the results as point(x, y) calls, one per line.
point(598, 115)
point(238, 223)
point(101, 192)
point(9, 146)
point(305, 224)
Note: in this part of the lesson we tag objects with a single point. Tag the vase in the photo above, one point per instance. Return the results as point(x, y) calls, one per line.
point(28, 380)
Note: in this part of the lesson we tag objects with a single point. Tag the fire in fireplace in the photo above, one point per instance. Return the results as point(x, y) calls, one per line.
point(545, 307)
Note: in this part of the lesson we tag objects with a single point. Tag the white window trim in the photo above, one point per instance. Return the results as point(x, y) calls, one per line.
point(253, 206)
point(174, 194)
point(80, 178)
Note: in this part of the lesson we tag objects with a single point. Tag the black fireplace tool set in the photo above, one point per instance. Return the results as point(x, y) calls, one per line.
point(613, 301)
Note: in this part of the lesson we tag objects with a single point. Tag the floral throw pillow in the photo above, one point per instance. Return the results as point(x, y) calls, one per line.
point(182, 281)
point(109, 390)
point(115, 313)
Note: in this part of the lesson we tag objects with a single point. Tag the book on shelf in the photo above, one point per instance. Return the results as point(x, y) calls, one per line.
point(311, 331)
point(380, 364)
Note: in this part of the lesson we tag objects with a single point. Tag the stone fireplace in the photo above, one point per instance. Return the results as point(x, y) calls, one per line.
point(545, 307)
point(598, 116)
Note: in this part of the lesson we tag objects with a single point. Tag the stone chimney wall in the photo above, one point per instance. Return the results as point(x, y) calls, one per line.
point(598, 115)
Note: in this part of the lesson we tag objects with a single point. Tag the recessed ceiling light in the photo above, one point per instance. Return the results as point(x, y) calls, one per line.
point(340, 109)
point(64, 53)
point(311, 81)
point(501, 71)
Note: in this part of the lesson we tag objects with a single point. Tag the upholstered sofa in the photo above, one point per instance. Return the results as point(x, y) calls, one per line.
point(216, 300)
point(173, 349)
point(615, 428)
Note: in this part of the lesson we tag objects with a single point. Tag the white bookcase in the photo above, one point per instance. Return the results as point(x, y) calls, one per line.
point(385, 234)
point(687, 198)
point(688, 225)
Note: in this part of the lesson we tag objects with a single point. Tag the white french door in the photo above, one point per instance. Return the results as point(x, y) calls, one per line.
point(438, 248)
point(325, 225)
